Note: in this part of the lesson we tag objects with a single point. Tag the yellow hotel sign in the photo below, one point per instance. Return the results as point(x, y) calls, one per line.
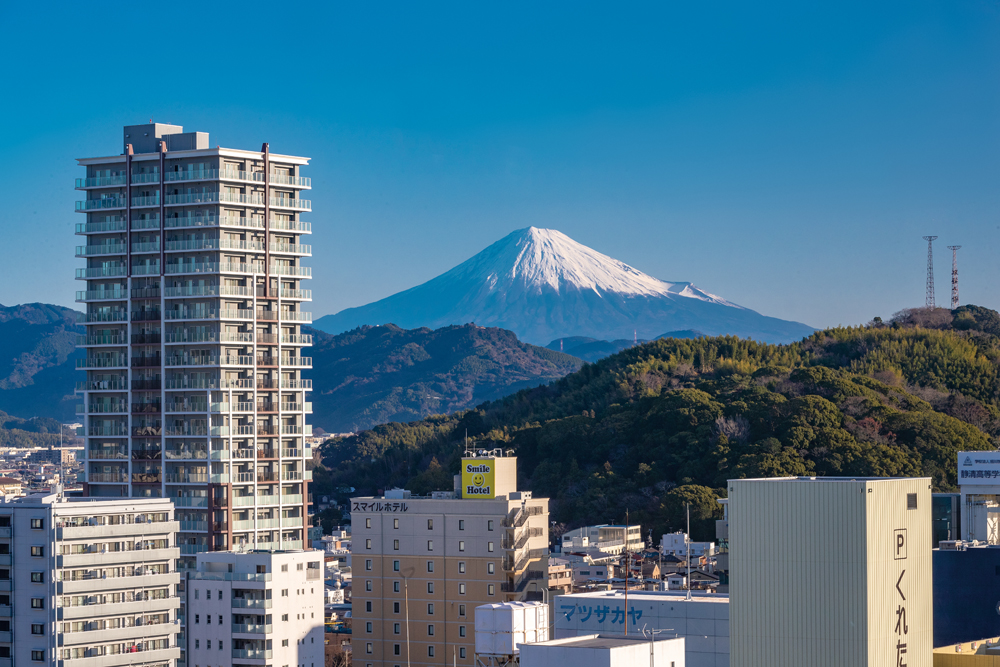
point(478, 478)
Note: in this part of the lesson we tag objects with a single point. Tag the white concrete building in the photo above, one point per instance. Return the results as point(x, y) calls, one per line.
point(702, 621)
point(979, 484)
point(88, 583)
point(604, 651)
point(677, 545)
point(256, 608)
point(606, 538)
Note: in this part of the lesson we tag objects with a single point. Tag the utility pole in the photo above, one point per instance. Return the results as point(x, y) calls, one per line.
point(687, 548)
point(954, 275)
point(929, 298)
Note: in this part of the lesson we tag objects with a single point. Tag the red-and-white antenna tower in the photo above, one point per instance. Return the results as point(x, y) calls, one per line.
point(954, 275)
point(929, 299)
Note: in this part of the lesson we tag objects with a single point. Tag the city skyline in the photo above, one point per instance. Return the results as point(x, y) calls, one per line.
point(788, 159)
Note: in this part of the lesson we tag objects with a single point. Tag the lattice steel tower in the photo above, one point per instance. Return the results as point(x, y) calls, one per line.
point(929, 299)
point(954, 275)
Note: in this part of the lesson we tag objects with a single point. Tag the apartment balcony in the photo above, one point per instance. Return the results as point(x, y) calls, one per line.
point(114, 361)
point(129, 633)
point(101, 249)
point(296, 384)
point(297, 339)
point(146, 362)
point(146, 383)
point(186, 478)
point(188, 406)
point(140, 178)
point(208, 290)
point(298, 362)
point(189, 549)
point(291, 522)
point(107, 478)
point(186, 431)
point(252, 654)
point(291, 226)
point(146, 454)
point(152, 200)
point(107, 454)
point(100, 181)
point(213, 198)
point(105, 316)
point(101, 295)
point(209, 337)
point(146, 247)
point(188, 453)
point(255, 629)
point(210, 361)
point(177, 384)
point(146, 269)
point(291, 248)
point(106, 408)
point(290, 203)
point(145, 292)
point(294, 181)
point(301, 271)
point(147, 431)
point(101, 272)
point(146, 315)
point(214, 244)
point(220, 454)
point(250, 603)
point(102, 339)
point(121, 384)
point(101, 227)
point(100, 204)
point(190, 526)
point(145, 338)
point(187, 221)
point(189, 501)
point(304, 294)
point(146, 478)
point(153, 656)
point(208, 314)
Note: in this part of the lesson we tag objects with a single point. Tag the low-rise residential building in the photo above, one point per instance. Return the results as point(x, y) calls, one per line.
point(88, 582)
point(10, 486)
point(606, 538)
point(256, 608)
point(560, 576)
point(678, 545)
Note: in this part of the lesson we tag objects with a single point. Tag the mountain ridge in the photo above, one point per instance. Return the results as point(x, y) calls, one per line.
point(543, 285)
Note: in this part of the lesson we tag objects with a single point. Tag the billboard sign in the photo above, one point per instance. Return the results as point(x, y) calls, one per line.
point(979, 468)
point(478, 478)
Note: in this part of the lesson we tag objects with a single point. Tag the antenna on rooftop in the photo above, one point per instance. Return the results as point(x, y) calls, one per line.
point(929, 299)
point(954, 275)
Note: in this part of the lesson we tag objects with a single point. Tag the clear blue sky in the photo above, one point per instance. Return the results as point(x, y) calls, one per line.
point(787, 156)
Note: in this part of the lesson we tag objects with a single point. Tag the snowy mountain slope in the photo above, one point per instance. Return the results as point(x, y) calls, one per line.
point(542, 285)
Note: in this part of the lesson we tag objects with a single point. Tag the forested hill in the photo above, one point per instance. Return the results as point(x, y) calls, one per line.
point(373, 375)
point(672, 420)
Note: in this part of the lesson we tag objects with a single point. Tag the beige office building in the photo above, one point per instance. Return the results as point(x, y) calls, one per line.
point(422, 565)
point(830, 572)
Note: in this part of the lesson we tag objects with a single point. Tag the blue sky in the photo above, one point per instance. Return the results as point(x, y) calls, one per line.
point(786, 157)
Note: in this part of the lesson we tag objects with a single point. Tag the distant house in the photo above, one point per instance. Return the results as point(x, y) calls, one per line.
point(10, 486)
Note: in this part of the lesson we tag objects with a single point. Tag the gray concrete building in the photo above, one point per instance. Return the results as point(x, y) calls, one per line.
point(194, 299)
point(87, 583)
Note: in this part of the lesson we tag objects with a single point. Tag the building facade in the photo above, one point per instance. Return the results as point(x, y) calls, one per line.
point(605, 538)
point(830, 572)
point(422, 565)
point(256, 608)
point(194, 299)
point(87, 583)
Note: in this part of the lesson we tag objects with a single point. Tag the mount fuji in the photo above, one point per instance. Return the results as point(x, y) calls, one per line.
point(543, 285)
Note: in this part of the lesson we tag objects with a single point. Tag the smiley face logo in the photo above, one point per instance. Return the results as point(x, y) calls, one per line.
point(478, 479)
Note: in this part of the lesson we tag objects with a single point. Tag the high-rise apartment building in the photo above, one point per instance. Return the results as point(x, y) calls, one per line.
point(193, 290)
point(87, 583)
point(256, 608)
point(421, 566)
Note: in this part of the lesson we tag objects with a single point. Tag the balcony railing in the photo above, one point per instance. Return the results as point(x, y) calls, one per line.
point(98, 204)
point(295, 293)
point(214, 244)
point(102, 295)
point(255, 629)
point(100, 249)
point(116, 361)
point(101, 181)
point(101, 226)
point(297, 339)
point(209, 337)
point(287, 202)
point(101, 272)
point(115, 431)
point(291, 248)
point(121, 384)
point(208, 290)
point(102, 339)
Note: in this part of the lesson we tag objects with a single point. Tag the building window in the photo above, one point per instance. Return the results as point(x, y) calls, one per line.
point(461, 567)
point(489, 547)
point(284, 617)
point(284, 642)
point(430, 630)
point(430, 586)
point(284, 592)
point(911, 501)
point(220, 619)
point(490, 568)
point(220, 644)
point(461, 631)
point(461, 545)
point(37, 524)
point(395, 607)
point(368, 606)
point(430, 651)
point(196, 592)
point(368, 523)
point(38, 603)
point(430, 524)
point(491, 589)
point(368, 584)
point(368, 544)
point(368, 648)
point(37, 577)
point(369, 627)
point(38, 552)
point(395, 628)
point(368, 564)
point(395, 566)
point(197, 618)
point(395, 545)
point(284, 568)
point(430, 566)
point(430, 545)
point(208, 643)
point(197, 643)
point(38, 656)
point(489, 525)
point(461, 652)
point(395, 587)
point(461, 524)
point(395, 524)
point(37, 629)
point(461, 589)
point(395, 649)
point(430, 608)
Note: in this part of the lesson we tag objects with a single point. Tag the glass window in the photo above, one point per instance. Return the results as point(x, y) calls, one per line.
point(461, 589)
point(461, 631)
point(395, 607)
point(430, 586)
point(489, 525)
point(461, 524)
point(368, 564)
point(461, 567)
point(38, 656)
point(430, 651)
point(368, 523)
point(490, 568)
point(395, 524)
point(430, 566)
point(38, 603)
point(430, 524)
point(395, 566)
point(37, 629)
point(430, 608)
point(395, 649)
point(368, 584)
point(38, 551)
point(461, 651)
point(37, 577)
point(395, 628)
point(395, 545)
point(461, 610)
point(37, 524)
point(489, 547)
point(395, 587)
point(368, 544)
point(430, 545)
point(369, 627)
point(430, 630)
point(368, 605)
point(368, 647)
point(491, 589)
